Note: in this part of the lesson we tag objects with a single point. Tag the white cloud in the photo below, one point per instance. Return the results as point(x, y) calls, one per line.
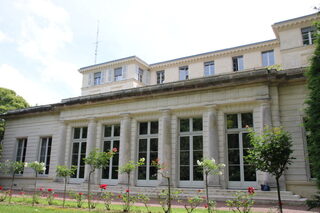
point(33, 92)
point(4, 37)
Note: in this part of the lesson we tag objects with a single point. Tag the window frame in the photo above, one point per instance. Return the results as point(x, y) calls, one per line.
point(112, 138)
point(148, 136)
point(211, 68)
point(309, 32)
point(23, 154)
point(140, 74)
point(237, 63)
point(97, 78)
point(46, 161)
point(118, 77)
point(81, 141)
point(270, 58)
point(183, 73)
point(190, 134)
point(160, 76)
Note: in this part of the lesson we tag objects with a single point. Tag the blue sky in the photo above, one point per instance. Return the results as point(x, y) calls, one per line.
point(44, 42)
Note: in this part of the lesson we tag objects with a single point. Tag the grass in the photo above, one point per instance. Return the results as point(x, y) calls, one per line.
point(23, 205)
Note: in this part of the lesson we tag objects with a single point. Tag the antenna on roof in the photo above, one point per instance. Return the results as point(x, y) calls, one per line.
point(96, 43)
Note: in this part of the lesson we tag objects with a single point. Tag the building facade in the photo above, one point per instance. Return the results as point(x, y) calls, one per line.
point(179, 111)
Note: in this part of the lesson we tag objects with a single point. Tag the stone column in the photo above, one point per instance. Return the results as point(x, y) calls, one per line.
point(98, 142)
point(124, 152)
point(91, 145)
point(211, 143)
point(165, 149)
point(61, 147)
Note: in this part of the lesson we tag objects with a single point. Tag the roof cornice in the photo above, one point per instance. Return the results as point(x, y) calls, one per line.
point(218, 81)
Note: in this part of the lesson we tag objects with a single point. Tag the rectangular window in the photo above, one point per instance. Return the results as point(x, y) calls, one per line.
point(237, 63)
point(209, 68)
point(45, 152)
point(267, 58)
point(111, 140)
point(190, 149)
point(97, 78)
point(118, 75)
point(308, 35)
point(140, 75)
point(238, 145)
point(183, 73)
point(160, 77)
point(21, 150)
point(79, 146)
point(148, 149)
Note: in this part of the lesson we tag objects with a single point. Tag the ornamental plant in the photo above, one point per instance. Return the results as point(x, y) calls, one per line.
point(12, 168)
point(65, 172)
point(242, 202)
point(3, 194)
point(145, 200)
point(50, 196)
point(127, 169)
point(271, 152)
point(210, 167)
point(107, 198)
point(164, 199)
point(128, 200)
point(78, 197)
point(37, 168)
point(97, 160)
point(192, 203)
point(163, 170)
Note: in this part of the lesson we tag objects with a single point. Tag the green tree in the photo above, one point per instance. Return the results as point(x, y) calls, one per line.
point(312, 123)
point(12, 168)
point(97, 160)
point(210, 167)
point(127, 169)
point(65, 172)
point(9, 100)
point(271, 153)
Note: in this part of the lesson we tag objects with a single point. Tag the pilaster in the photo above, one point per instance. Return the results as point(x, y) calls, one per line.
point(91, 143)
point(124, 152)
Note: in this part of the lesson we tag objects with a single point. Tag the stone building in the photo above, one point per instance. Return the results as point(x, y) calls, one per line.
point(178, 111)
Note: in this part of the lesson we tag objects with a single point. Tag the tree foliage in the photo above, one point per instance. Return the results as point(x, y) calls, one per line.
point(312, 123)
point(271, 153)
point(9, 100)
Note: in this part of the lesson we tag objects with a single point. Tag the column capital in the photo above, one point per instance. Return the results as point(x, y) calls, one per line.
point(165, 111)
point(125, 115)
point(211, 107)
point(92, 120)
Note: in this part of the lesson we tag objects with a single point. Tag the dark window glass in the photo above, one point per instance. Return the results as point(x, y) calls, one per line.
point(116, 132)
point(107, 131)
point(233, 141)
point(184, 172)
point(249, 173)
point(234, 173)
point(197, 173)
point(154, 144)
point(184, 125)
point(76, 134)
point(184, 143)
point(232, 121)
point(154, 127)
point(197, 124)
point(142, 145)
point(246, 120)
point(142, 172)
point(84, 132)
point(143, 128)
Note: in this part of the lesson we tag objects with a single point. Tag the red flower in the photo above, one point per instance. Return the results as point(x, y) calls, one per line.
point(41, 189)
point(80, 193)
point(56, 195)
point(21, 193)
point(199, 190)
point(1, 187)
point(251, 190)
point(103, 186)
point(127, 190)
point(205, 205)
point(114, 149)
point(119, 196)
point(50, 190)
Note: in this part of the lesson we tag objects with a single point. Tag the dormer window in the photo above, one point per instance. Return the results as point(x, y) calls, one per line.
point(118, 74)
point(308, 35)
point(267, 58)
point(209, 68)
point(97, 78)
point(237, 63)
point(140, 75)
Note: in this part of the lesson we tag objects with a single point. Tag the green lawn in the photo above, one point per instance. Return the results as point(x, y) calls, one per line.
point(23, 205)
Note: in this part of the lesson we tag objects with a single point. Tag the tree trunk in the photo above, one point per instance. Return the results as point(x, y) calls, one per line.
point(279, 196)
point(64, 193)
point(169, 195)
point(12, 180)
point(89, 189)
point(35, 189)
point(128, 193)
point(207, 190)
